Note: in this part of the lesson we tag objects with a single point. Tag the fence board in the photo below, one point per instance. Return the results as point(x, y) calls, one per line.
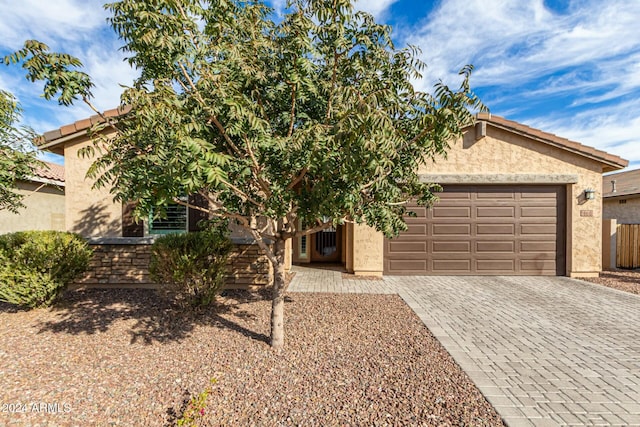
point(628, 246)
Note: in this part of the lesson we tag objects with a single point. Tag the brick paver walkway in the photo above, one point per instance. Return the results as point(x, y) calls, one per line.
point(543, 350)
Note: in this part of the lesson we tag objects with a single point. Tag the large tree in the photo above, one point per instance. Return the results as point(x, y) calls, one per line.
point(287, 125)
point(17, 155)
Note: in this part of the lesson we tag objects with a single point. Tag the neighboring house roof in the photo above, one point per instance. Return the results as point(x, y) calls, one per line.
point(49, 173)
point(611, 162)
point(52, 140)
point(626, 184)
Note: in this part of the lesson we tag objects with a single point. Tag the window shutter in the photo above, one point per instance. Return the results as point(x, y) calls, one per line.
point(196, 215)
point(129, 227)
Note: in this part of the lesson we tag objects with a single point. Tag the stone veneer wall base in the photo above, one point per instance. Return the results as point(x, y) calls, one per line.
point(124, 263)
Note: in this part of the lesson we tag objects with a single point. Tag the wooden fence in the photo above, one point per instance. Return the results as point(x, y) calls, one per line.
point(628, 246)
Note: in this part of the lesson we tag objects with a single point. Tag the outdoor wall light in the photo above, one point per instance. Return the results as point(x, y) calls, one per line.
point(589, 194)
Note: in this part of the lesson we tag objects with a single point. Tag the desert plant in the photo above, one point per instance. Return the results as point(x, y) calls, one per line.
point(191, 265)
point(195, 408)
point(37, 266)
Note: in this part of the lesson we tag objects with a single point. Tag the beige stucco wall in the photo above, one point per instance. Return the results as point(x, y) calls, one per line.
point(89, 212)
point(626, 213)
point(44, 209)
point(368, 251)
point(518, 158)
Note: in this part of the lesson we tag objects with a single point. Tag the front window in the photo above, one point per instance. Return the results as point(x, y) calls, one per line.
point(174, 222)
point(302, 242)
point(302, 247)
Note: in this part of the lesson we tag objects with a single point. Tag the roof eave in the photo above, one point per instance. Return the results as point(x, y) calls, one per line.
point(57, 145)
point(630, 194)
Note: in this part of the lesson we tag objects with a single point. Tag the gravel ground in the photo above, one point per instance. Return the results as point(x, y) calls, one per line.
point(624, 280)
point(129, 358)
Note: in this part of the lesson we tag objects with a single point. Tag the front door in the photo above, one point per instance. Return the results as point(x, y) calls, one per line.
point(326, 245)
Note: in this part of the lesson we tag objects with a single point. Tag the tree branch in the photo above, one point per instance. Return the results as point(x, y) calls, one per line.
point(107, 120)
point(297, 179)
point(293, 109)
point(261, 181)
point(242, 194)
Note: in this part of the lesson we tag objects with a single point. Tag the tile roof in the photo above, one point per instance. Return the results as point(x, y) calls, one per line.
point(626, 183)
point(50, 171)
point(51, 138)
point(611, 161)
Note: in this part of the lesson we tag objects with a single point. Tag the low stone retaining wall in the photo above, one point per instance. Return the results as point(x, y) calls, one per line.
point(124, 262)
point(247, 266)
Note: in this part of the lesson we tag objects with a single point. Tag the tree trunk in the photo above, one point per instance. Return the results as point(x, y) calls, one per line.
point(277, 304)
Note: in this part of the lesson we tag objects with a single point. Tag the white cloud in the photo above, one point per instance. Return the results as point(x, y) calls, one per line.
point(377, 8)
point(108, 71)
point(279, 6)
point(613, 128)
point(512, 42)
point(73, 26)
point(46, 20)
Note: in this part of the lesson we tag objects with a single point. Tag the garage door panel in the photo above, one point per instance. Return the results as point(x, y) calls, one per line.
point(451, 246)
point(485, 230)
point(493, 229)
point(408, 247)
point(495, 246)
point(454, 194)
point(446, 266)
point(451, 229)
point(546, 229)
point(451, 212)
point(538, 221)
point(539, 212)
point(496, 212)
point(540, 193)
point(416, 230)
point(487, 265)
point(538, 247)
point(495, 195)
point(407, 265)
point(538, 266)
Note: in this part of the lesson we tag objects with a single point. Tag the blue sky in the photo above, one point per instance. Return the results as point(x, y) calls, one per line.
point(567, 67)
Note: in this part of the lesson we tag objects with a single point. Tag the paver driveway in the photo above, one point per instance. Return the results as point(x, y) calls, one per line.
point(543, 350)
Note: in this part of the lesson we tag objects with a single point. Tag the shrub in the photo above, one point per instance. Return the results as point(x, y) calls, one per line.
point(37, 266)
point(192, 265)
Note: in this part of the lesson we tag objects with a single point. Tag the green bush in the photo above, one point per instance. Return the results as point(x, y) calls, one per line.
point(192, 265)
point(37, 266)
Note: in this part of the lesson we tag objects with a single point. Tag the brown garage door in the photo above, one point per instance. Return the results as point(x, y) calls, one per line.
point(490, 230)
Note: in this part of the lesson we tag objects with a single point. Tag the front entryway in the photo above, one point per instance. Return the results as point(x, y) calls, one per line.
point(326, 245)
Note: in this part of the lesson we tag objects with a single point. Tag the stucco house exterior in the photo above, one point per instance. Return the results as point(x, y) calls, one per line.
point(621, 197)
point(44, 202)
point(516, 201)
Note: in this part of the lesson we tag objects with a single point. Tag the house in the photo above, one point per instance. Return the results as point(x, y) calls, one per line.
point(44, 202)
point(621, 197)
point(516, 201)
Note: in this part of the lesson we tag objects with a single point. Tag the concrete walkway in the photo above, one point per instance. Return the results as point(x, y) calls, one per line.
point(545, 351)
